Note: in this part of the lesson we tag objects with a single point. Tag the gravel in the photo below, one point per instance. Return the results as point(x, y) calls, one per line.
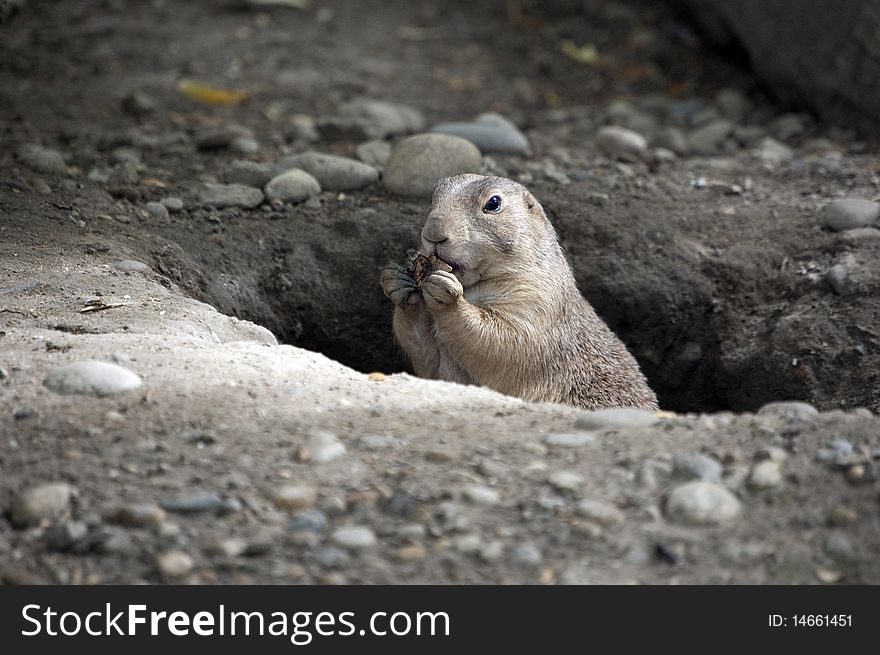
point(292, 186)
point(294, 497)
point(247, 173)
point(220, 138)
point(132, 266)
point(616, 418)
point(333, 173)
point(702, 503)
point(789, 409)
point(374, 152)
point(709, 139)
point(481, 495)
point(42, 160)
point(837, 277)
point(600, 511)
point(194, 503)
point(172, 204)
point(566, 480)
point(230, 195)
point(418, 162)
point(45, 502)
point(570, 439)
point(91, 377)
point(765, 475)
point(697, 467)
point(622, 143)
point(364, 118)
point(324, 447)
point(850, 213)
point(157, 210)
point(174, 564)
point(490, 132)
point(137, 515)
point(354, 537)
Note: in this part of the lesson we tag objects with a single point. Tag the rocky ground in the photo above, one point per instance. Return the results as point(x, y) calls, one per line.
point(164, 161)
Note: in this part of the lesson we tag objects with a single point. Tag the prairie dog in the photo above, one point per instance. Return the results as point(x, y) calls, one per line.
point(509, 315)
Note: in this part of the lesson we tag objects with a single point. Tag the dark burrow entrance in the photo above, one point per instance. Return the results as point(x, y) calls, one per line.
point(712, 331)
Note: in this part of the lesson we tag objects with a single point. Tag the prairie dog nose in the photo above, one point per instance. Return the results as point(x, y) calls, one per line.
point(434, 232)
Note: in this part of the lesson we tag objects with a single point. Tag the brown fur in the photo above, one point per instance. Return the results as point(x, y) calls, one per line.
point(509, 316)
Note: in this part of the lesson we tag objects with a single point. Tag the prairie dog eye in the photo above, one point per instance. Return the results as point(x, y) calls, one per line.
point(493, 205)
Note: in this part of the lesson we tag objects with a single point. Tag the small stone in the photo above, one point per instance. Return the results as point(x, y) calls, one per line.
point(765, 475)
point(788, 125)
point(411, 552)
point(292, 186)
point(791, 410)
point(66, 536)
point(773, 453)
point(138, 515)
point(333, 173)
point(354, 537)
point(774, 152)
point(702, 503)
point(412, 531)
point(850, 213)
point(468, 544)
point(527, 554)
point(566, 480)
point(244, 145)
point(492, 551)
point(311, 520)
point(855, 473)
point(440, 455)
point(374, 152)
point(662, 156)
point(570, 439)
point(174, 564)
point(616, 418)
point(697, 467)
point(622, 143)
point(247, 173)
point(172, 204)
point(42, 160)
point(330, 557)
point(490, 132)
point(91, 377)
point(132, 266)
point(837, 278)
point(733, 104)
point(481, 495)
point(125, 173)
point(839, 546)
point(324, 447)
point(232, 547)
point(841, 515)
point(709, 138)
point(600, 512)
point(376, 441)
point(220, 138)
point(157, 210)
point(190, 504)
point(230, 195)
point(418, 162)
point(672, 138)
point(294, 497)
point(46, 502)
point(138, 103)
point(364, 118)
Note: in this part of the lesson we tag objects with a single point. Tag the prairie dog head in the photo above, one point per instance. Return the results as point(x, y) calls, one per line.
point(485, 227)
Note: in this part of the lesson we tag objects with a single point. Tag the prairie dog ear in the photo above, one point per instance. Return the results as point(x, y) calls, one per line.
point(533, 205)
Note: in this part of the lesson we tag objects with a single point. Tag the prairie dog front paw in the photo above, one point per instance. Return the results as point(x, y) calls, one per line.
point(441, 289)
